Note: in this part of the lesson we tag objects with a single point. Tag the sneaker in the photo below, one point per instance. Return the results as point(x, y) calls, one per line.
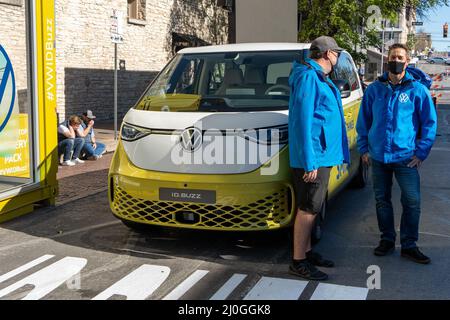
point(317, 260)
point(94, 157)
point(384, 248)
point(68, 163)
point(307, 271)
point(415, 255)
point(76, 160)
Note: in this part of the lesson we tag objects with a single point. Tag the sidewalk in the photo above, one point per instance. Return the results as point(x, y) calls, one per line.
point(104, 132)
point(92, 176)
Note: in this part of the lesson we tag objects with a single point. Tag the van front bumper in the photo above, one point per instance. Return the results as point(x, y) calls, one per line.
point(243, 202)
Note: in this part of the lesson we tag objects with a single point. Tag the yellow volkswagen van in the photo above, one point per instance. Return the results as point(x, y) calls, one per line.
point(206, 145)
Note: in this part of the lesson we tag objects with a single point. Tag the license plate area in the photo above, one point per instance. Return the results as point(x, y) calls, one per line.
point(187, 195)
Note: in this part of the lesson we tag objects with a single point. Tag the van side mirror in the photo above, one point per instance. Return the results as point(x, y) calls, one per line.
point(344, 87)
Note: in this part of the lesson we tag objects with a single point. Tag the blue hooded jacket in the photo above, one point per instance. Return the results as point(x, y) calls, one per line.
point(396, 122)
point(317, 132)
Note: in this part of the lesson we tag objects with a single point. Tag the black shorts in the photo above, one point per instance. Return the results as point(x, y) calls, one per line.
point(310, 196)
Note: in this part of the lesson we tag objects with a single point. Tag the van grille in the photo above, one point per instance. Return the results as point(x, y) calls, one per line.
point(271, 211)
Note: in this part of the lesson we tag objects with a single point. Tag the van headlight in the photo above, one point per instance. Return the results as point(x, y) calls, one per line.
point(131, 133)
point(270, 135)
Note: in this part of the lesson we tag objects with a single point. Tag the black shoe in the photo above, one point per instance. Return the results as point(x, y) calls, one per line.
point(317, 260)
point(307, 271)
point(385, 247)
point(415, 255)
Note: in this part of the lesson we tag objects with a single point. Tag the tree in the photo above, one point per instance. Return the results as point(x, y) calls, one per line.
point(412, 41)
point(348, 20)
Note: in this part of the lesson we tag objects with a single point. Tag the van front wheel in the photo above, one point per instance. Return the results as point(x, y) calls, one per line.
point(361, 178)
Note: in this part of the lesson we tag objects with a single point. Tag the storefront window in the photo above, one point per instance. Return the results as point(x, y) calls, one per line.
point(15, 106)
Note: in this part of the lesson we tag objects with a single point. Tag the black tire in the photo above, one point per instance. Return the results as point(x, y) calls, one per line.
point(432, 62)
point(316, 232)
point(361, 178)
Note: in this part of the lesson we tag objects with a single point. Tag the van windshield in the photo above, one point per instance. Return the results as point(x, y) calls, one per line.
point(220, 82)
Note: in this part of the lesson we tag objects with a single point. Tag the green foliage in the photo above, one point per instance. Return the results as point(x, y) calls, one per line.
point(344, 20)
point(411, 42)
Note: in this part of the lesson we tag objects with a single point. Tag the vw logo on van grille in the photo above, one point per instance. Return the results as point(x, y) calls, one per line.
point(191, 139)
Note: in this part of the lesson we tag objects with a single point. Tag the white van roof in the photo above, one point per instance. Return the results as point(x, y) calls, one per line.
point(241, 47)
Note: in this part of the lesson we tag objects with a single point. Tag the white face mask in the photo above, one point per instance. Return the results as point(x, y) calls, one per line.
point(332, 66)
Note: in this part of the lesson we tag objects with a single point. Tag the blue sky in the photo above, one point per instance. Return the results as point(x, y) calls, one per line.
point(433, 24)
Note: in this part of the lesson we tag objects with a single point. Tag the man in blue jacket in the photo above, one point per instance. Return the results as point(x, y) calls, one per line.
point(317, 142)
point(396, 129)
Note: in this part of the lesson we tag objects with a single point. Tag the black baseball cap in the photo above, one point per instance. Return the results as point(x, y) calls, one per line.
point(324, 43)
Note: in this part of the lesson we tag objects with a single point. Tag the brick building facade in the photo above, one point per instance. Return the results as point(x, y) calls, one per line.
point(153, 31)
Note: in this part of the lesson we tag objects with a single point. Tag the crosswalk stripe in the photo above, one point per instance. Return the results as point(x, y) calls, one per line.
point(25, 267)
point(269, 288)
point(228, 287)
point(326, 291)
point(48, 279)
point(186, 285)
point(146, 279)
point(139, 284)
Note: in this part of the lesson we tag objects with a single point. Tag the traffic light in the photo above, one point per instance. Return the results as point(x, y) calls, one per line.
point(445, 29)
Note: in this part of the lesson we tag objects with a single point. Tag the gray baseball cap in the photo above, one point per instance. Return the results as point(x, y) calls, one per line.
point(324, 43)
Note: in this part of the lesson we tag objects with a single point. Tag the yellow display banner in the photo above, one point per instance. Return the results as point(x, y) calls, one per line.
point(15, 150)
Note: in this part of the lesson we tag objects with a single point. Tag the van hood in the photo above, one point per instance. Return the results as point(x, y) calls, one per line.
point(208, 120)
point(163, 150)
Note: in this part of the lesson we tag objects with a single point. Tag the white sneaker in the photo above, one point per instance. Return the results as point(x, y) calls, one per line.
point(68, 163)
point(78, 160)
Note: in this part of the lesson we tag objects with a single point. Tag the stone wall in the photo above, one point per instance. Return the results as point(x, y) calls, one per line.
point(85, 54)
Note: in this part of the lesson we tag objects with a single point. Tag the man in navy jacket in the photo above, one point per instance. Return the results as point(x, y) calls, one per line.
point(396, 129)
point(317, 142)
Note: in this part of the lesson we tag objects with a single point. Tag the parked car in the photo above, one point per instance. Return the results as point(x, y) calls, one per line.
point(237, 90)
point(447, 61)
point(437, 60)
point(413, 63)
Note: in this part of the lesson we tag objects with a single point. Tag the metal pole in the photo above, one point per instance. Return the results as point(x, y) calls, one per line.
point(382, 51)
point(115, 91)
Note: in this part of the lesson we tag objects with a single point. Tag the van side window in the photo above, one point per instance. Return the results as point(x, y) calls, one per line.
point(346, 71)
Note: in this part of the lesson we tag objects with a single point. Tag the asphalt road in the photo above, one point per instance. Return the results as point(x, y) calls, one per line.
point(83, 252)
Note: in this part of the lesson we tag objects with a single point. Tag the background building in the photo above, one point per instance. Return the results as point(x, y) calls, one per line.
point(266, 21)
point(423, 43)
point(394, 32)
point(153, 30)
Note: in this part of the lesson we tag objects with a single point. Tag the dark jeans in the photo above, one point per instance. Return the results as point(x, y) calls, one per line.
point(67, 145)
point(89, 151)
point(409, 182)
